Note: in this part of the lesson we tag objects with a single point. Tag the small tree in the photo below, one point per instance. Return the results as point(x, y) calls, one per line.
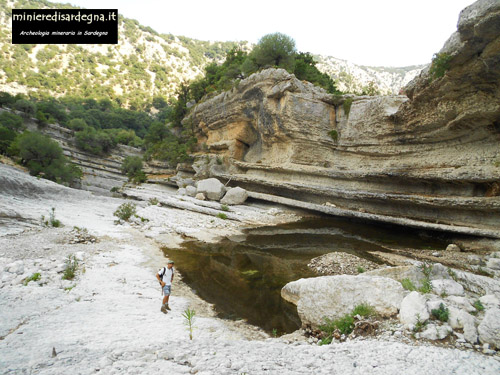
point(44, 157)
point(132, 167)
point(275, 50)
point(25, 106)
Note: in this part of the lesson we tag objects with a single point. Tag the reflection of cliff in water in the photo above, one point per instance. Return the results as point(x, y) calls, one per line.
point(242, 282)
point(243, 276)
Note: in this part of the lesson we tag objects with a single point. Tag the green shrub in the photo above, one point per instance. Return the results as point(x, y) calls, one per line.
point(334, 134)
point(361, 269)
point(408, 285)
point(44, 157)
point(347, 106)
point(51, 221)
point(132, 167)
point(420, 324)
point(71, 267)
point(222, 216)
point(7, 137)
point(125, 211)
point(478, 305)
point(363, 310)
point(115, 189)
point(440, 64)
point(442, 313)
point(224, 207)
point(345, 324)
point(426, 287)
point(11, 121)
point(35, 277)
point(94, 141)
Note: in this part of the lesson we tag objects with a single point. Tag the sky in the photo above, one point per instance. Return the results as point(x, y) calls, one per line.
point(364, 32)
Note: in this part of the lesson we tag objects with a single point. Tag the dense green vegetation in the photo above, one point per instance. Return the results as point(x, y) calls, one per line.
point(440, 64)
point(132, 167)
point(44, 157)
point(156, 64)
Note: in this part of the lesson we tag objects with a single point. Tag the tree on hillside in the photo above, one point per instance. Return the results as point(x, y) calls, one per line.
point(275, 50)
point(44, 157)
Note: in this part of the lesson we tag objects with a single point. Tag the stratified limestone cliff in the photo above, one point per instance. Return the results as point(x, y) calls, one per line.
point(100, 173)
point(428, 159)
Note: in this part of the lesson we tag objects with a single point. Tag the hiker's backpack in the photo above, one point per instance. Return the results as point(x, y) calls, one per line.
point(162, 272)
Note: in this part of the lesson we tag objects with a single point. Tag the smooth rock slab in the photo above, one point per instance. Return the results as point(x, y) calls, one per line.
point(335, 296)
point(489, 301)
point(449, 287)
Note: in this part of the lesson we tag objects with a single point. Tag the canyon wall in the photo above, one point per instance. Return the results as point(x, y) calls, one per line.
point(430, 158)
point(100, 173)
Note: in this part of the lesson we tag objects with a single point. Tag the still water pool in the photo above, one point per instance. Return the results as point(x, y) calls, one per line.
point(243, 276)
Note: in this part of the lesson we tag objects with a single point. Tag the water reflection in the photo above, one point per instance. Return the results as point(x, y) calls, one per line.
point(243, 277)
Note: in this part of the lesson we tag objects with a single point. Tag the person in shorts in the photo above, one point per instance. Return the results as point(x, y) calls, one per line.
point(165, 276)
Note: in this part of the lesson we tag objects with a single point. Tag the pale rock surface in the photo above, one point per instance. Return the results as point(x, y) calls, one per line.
point(399, 273)
point(340, 294)
point(493, 263)
point(235, 196)
point(435, 332)
point(449, 287)
point(413, 309)
point(181, 191)
point(489, 301)
point(191, 191)
point(434, 304)
point(489, 329)
point(439, 272)
point(461, 302)
point(453, 247)
point(212, 188)
point(200, 196)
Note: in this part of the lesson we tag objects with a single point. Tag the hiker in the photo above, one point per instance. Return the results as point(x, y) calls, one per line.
point(165, 276)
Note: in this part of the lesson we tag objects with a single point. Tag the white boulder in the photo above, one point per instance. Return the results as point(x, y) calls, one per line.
point(449, 287)
point(235, 195)
point(335, 296)
point(489, 329)
point(489, 301)
point(191, 191)
point(461, 319)
point(435, 332)
point(212, 188)
point(461, 302)
point(493, 263)
point(453, 247)
point(181, 191)
point(413, 309)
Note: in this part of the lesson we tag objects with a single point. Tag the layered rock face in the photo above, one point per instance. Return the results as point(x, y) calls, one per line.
point(100, 173)
point(430, 159)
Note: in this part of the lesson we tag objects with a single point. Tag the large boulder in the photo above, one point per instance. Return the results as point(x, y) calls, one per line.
point(235, 195)
point(461, 319)
point(449, 287)
point(413, 310)
point(212, 188)
point(335, 296)
point(489, 329)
